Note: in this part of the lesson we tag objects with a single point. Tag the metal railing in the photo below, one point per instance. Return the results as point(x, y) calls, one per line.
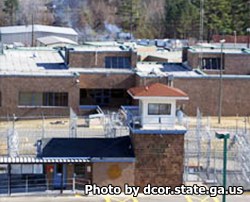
point(136, 121)
point(26, 184)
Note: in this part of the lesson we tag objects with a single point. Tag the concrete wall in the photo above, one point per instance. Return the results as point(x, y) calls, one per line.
point(92, 59)
point(159, 159)
point(204, 93)
point(116, 174)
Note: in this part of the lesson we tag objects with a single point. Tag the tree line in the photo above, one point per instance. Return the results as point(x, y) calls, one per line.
point(183, 18)
point(151, 18)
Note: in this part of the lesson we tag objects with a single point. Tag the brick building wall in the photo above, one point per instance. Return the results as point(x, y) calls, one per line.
point(107, 81)
point(10, 87)
point(238, 64)
point(230, 38)
point(116, 174)
point(143, 81)
point(92, 59)
point(204, 92)
point(159, 159)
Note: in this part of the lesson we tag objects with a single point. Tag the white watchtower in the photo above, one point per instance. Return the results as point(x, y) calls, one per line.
point(157, 105)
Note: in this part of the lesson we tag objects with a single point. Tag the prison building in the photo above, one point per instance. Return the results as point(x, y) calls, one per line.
point(49, 81)
point(25, 34)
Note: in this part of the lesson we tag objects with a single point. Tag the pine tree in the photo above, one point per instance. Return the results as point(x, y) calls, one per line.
point(10, 8)
point(240, 15)
point(129, 13)
point(189, 21)
point(172, 10)
point(217, 18)
point(181, 18)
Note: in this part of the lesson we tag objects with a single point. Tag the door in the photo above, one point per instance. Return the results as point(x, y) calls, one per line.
point(59, 178)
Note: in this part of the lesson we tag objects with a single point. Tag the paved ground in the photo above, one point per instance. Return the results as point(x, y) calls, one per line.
point(79, 198)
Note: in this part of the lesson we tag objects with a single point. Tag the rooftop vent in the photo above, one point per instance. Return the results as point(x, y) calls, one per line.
point(245, 50)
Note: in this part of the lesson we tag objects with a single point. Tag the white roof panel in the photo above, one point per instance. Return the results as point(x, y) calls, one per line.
point(51, 40)
point(37, 28)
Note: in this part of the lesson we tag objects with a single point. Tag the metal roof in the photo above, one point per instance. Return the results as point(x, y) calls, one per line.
point(156, 90)
point(120, 147)
point(37, 28)
point(35, 160)
point(52, 40)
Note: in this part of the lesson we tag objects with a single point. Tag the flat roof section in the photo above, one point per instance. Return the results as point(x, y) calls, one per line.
point(89, 48)
point(33, 61)
point(151, 69)
point(44, 62)
point(217, 49)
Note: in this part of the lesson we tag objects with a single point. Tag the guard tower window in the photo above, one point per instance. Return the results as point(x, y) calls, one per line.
point(117, 62)
point(159, 109)
point(211, 63)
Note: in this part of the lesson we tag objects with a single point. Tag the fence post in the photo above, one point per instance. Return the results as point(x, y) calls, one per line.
point(74, 184)
point(27, 184)
point(9, 179)
point(47, 183)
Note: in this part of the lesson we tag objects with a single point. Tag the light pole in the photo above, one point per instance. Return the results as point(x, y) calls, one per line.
point(248, 37)
point(220, 84)
point(225, 137)
point(235, 38)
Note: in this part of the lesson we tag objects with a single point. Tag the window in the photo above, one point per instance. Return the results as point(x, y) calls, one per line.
point(117, 62)
point(55, 99)
point(83, 96)
point(159, 109)
point(59, 168)
point(211, 63)
point(43, 99)
point(80, 169)
point(30, 99)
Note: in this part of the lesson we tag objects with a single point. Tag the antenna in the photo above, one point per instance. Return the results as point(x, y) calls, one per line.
point(1, 44)
point(32, 32)
point(201, 32)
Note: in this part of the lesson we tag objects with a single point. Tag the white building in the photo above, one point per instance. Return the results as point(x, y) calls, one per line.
point(23, 33)
point(157, 105)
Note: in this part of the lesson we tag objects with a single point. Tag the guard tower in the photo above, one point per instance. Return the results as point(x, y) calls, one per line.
point(158, 139)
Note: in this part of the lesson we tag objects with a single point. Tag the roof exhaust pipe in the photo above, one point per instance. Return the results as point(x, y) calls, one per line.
point(1, 44)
